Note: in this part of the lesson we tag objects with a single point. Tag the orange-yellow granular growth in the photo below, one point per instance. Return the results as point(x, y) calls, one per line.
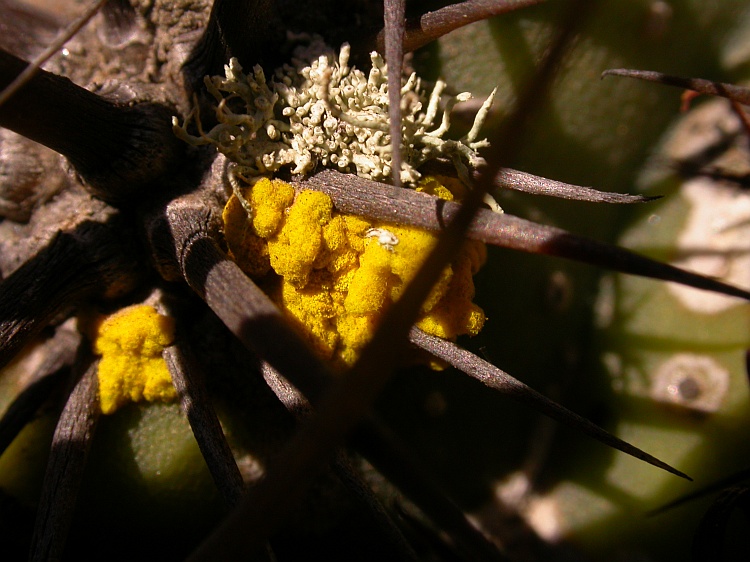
point(131, 368)
point(335, 274)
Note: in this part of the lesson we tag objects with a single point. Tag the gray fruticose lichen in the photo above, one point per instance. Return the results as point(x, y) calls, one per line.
point(320, 111)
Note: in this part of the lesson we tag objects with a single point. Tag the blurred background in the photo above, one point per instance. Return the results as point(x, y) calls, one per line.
point(662, 367)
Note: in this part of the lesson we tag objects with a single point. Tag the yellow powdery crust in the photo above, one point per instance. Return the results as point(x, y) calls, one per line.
point(131, 368)
point(337, 274)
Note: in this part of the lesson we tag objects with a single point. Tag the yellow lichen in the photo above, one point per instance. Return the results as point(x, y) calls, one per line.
point(335, 274)
point(131, 368)
point(300, 242)
point(269, 200)
point(446, 188)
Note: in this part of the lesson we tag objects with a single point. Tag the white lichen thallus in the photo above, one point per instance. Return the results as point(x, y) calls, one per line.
point(320, 111)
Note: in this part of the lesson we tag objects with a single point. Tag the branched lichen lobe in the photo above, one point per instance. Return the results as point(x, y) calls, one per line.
point(320, 111)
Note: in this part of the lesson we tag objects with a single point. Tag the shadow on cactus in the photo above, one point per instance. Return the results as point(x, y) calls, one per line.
point(289, 276)
point(720, 532)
